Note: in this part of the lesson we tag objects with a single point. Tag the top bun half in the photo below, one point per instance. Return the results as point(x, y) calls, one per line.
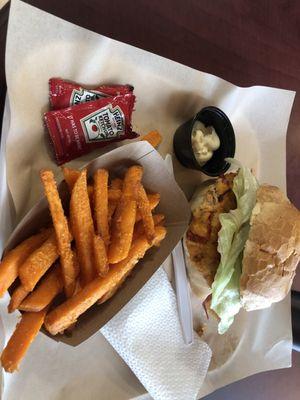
point(272, 251)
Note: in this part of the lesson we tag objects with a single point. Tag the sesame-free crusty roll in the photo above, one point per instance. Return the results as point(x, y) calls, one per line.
point(272, 251)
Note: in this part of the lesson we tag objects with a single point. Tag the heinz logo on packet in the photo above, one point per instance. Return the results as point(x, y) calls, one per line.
point(103, 124)
point(76, 130)
point(82, 96)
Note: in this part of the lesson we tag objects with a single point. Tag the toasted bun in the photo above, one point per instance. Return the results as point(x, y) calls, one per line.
point(272, 251)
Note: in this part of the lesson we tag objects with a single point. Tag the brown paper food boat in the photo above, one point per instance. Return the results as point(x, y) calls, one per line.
point(173, 205)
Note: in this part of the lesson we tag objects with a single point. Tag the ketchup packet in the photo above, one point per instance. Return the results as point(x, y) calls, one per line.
point(64, 94)
point(77, 130)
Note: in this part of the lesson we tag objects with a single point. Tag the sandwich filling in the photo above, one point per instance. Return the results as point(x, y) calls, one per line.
point(216, 239)
point(202, 235)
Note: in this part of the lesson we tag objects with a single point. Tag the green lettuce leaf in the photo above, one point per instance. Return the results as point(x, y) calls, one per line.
point(233, 235)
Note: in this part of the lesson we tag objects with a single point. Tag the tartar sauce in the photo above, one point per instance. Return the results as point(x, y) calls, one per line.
point(204, 142)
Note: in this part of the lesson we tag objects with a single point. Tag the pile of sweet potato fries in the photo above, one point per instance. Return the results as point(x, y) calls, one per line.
point(84, 256)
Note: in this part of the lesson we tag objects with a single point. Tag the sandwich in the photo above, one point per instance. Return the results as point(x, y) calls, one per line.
point(242, 245)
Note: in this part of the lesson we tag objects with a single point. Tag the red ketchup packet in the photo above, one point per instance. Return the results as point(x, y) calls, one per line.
point(77, 130)
point(64, 94)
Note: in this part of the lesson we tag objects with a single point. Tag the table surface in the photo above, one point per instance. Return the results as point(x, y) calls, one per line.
point(247, 42)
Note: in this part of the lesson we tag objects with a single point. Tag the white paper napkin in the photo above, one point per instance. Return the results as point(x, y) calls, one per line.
point(147, 335)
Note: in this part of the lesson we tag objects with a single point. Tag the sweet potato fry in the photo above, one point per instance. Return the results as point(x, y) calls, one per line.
point(144, 208)
point(122, 230)
point(138, 232)
point(38, 263)
point(112, 205)
point(125, 215)
point(101, 204)
point(114, 194)
point(70, 328)
point(14, 259)
point(61, 227)
point(17, 346)
point(47, 290)
point(132, 180)
point(68, 312)
point(154, 199)
point(100, 256)
point(16, 299)
point(114, 197)
point(78, 287)
point(117, 183)
point(139, 226)
point(153, 137)
point(71, 175)
point(108, 295)
point(83, 227)
point(159, 219)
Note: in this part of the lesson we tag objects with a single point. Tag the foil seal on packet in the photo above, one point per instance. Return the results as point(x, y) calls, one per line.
point(63, 94)
point(77, 130)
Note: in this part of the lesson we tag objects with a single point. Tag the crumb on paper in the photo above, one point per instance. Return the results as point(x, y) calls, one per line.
point(201, 330)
